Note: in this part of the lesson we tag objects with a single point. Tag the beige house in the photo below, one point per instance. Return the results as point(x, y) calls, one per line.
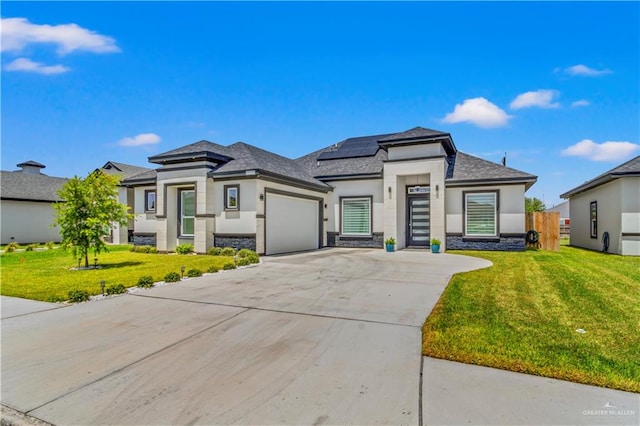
point(26, 199)
point(605, 211)
point(412, 186)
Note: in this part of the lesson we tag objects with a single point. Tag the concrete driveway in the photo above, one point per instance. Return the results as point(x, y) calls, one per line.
point(327, 337)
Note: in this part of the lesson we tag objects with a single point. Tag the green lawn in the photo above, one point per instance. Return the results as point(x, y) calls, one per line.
point(522, 314)
point(47, 275)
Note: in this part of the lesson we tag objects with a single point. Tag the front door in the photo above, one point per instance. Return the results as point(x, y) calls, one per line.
point(418, 229)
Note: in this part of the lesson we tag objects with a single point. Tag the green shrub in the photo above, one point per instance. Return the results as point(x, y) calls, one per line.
point(172, 277)
point(143, 249)
point(153, 250)
point(133, 248)
point(145, 281)
point(250, 255)
point(229, 266)
point(244, 261)
point(30, 247)
point(184, 249)
point(213, 269)
point(192, 273)
point(77, 296)
point(228, 251)
point(116, 289)
point(11, 247)
point(214, 251)
point(49, 245)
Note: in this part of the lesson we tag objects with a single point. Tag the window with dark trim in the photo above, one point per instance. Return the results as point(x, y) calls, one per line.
point(593, 216)
point(356, 216)
point(481, 214)
point(150, 200)
point(187, 212)
point(232, 197)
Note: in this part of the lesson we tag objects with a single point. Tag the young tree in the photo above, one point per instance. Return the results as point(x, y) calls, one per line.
point(89, 209)
point(532, 205)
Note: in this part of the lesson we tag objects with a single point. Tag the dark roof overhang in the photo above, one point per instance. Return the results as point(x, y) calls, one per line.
point(190, 157)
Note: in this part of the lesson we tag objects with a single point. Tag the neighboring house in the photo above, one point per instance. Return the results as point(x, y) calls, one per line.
point(26, 199)
point(412, 186)
point(565, 218)
point(609, 203)
point(123, 235)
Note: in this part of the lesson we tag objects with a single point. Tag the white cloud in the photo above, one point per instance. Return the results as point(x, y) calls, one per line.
point(586, 71)
point(540, 98)
point(580, 103)
point(17, 33)
point(27, 65)
point(139, 140)
point(606, 151)
point(478, 111)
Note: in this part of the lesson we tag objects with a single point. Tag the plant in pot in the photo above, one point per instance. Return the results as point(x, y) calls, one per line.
point(390, 244)
point(435, 245)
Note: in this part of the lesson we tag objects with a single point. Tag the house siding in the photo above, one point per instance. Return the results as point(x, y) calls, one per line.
point(37, 229)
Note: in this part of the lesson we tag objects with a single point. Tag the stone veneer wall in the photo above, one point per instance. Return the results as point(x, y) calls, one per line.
point(144, 239)
point(335, 240)
point(510, 243)
point(237, 242)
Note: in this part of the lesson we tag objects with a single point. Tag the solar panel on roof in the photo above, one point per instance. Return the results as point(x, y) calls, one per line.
point(355, 147)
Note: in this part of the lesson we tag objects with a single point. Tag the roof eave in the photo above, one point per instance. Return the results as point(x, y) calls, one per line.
point(527, 181)
point(189, 157)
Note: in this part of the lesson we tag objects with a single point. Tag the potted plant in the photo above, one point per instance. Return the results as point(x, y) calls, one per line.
point(435, 245)
point(390, 244)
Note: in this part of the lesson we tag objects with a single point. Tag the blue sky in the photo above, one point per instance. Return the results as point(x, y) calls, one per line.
point(554, 85)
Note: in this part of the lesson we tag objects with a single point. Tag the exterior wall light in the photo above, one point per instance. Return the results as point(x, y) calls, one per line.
point(261, 197)
point(437, 191)
point(389, 189)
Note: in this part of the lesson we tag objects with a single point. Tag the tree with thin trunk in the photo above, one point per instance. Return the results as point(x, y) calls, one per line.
point(90, 208)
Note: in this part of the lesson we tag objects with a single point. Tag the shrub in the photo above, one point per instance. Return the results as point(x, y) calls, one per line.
point(77, 296)
point(213, 269)
point(143, 249)
point(192, 273)
point(153, 250)
point(184, 249)
point(172, 277)
point(132, 248)
point(145, 281)
point(228, 251)
point(229, 266)
point(214, 251)
point(248, 255)
point(49, 245)
point(11, 247)
point(116, 289)
point(244, 261)
point(30, 247)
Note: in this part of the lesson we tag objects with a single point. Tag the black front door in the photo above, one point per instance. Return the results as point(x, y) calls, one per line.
point(418, 219)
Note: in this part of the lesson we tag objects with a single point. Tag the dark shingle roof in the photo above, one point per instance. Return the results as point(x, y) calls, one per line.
point(324, 169)
point(464, 168)
point(30, 187)
point(415, 133)
point(123, 170)
point(198, 150)
point(145, 178)
point(248, 157)
point(629, 168)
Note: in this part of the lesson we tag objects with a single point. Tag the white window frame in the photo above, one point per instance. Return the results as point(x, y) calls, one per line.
point(494, 194)
point(147, 193)
point(183, 216)
point(227, 195)
point(369, 202)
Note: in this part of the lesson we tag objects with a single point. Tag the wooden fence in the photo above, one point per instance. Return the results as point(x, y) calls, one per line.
point(547, 225)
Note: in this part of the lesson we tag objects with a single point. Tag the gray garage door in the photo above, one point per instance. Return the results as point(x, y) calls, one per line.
point(291, 223)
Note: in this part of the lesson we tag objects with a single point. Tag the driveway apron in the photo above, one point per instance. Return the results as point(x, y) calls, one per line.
point(325, 337)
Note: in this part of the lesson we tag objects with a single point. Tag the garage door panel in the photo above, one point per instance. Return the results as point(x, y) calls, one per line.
point(292, 224)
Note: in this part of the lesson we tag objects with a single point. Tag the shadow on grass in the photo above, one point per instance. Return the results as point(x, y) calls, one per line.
point(119, 265)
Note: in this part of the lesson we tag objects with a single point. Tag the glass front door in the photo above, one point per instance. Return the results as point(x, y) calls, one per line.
point(418, 232)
